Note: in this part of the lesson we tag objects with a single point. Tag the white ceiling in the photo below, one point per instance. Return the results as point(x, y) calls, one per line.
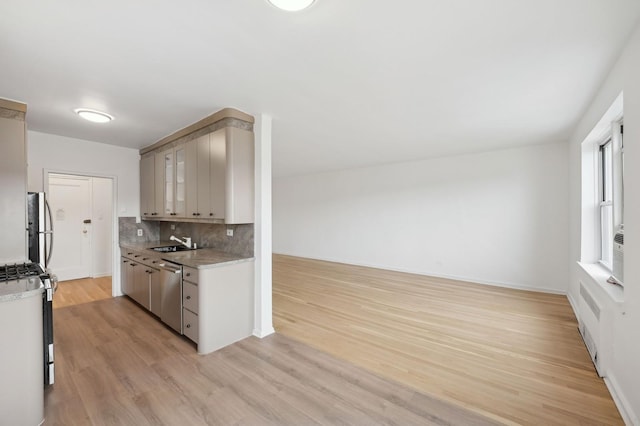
point(348, 82)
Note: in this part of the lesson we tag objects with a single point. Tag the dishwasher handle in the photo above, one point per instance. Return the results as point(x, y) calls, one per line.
point(170, 267)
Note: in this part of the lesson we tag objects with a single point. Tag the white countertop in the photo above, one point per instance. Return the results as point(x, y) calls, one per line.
point(20, 289)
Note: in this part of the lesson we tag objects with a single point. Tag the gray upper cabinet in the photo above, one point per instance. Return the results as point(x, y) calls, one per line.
point(239, 176)
point(13, 163)
point(206, 178)
point(198, 178)
point(147, 187)
point(206, 181)
point(220, 185)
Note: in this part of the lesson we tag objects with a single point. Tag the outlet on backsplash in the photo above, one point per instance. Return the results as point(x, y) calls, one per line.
point(229, 232)
point(131, 232)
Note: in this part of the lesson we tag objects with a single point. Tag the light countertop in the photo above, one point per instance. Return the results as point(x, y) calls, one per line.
point(201, 258)
point(20, 289)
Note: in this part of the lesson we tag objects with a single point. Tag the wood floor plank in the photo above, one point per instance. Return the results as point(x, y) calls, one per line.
point(75, 292)
point(511, 355)
point(118, 365)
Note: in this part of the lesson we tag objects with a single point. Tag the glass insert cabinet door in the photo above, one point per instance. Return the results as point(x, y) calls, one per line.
point(168, 183)
point(175, 181)
point(180, 204)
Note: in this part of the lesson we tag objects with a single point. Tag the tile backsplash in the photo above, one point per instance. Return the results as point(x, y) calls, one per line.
point(213, 235)
point(128, 230)
point(205, 235)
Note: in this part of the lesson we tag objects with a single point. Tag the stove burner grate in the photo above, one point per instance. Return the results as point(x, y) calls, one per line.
point(18, 271)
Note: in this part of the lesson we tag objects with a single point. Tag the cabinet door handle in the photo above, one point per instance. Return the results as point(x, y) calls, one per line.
point(125, 261)
point(188, 274)
point(188, 298)
point(188, 325)
point(210, 214)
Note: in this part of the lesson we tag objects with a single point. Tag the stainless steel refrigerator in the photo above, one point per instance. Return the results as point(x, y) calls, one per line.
point(40, 229)
point(40, 248)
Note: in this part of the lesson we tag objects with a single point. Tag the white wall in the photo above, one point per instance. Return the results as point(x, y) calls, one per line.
point(102, 227)
point(63, 154)
point(69, 155)
point(497, 217)
point(624, 372)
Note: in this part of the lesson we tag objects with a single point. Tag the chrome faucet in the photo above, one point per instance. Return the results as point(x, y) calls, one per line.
point(186, 242)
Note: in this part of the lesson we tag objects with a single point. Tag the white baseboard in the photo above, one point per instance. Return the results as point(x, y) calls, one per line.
point(100, 275)
point(263, 333)
point(436, 275)
point(626, 410)
point(574, 305)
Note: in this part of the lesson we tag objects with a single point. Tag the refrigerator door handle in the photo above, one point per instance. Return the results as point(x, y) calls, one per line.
point(50, 232)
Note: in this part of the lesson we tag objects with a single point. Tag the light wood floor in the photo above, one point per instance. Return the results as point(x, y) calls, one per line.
point(514, 356)
point(118, 365)
point(75, 292)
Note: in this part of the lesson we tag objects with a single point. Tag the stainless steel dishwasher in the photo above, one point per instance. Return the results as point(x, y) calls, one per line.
point(171, 288)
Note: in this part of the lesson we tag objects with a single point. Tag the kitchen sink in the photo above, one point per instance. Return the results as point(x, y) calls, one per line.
point(170, 249)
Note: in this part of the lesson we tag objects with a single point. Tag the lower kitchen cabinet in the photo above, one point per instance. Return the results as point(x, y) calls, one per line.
point(126, 277)
point(190, 303)
point(217, 301)
point(155, 291)
point(218, 306)
point(141, 286)
point(141, 281)
point(190, 324)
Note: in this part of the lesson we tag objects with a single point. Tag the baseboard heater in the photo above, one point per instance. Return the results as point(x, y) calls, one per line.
point(589, 325)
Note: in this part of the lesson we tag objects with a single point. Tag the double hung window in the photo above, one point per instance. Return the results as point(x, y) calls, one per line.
point(610, 186)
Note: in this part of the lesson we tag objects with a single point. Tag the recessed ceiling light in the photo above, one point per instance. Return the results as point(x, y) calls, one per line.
point(93, 115)
point(291, 5)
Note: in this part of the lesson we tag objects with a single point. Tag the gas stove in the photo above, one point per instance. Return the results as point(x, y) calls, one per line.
point(27, 280)
point(19, 271)
point(20, 279)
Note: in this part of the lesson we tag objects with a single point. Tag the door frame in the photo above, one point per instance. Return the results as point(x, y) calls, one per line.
point(115, 254)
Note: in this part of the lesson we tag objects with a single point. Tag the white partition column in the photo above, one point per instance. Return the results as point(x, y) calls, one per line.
point(263, 247)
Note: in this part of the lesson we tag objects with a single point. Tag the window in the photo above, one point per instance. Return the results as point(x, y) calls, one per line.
point(606, 202)
point(610, 189)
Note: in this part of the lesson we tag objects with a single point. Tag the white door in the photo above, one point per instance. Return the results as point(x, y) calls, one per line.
point(70, 200)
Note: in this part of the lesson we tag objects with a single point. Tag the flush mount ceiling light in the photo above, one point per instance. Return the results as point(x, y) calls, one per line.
point(93, 115)
point(291, 5)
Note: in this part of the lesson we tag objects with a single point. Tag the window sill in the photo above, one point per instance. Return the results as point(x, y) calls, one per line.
point(599, 275)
